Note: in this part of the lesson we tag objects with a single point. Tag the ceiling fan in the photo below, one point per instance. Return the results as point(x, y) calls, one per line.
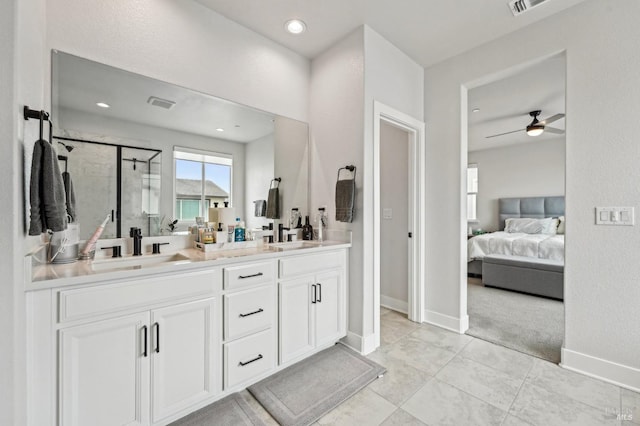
point(536, 127)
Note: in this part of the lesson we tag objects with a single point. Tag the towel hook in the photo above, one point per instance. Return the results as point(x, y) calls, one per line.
point(277, 180)
point(39, 115)
point(350, 168)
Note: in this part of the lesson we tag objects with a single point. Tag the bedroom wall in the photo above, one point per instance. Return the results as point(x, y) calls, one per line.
point(599, 36)
point(524, 170)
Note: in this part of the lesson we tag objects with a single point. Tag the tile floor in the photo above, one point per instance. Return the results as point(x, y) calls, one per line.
point(437, 377)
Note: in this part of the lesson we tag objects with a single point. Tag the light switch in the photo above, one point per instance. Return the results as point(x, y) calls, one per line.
point(387, 213)
point(615, 216)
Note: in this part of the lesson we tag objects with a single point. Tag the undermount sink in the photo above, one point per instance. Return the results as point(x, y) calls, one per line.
point(293, 245)
point(137, 262)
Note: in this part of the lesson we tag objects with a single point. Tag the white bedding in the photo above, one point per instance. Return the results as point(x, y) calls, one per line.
point(540, 246)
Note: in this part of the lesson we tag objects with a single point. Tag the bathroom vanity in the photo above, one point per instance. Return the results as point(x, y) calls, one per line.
point(145, 342)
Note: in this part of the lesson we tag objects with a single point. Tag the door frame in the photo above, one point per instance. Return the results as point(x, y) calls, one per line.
point(417, 169)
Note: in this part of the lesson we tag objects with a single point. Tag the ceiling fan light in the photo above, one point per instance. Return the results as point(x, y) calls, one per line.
point(535, 129)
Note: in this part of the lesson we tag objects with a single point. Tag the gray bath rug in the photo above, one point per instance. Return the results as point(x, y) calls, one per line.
point(530, 324)
point(302, 393)
point(229, 411)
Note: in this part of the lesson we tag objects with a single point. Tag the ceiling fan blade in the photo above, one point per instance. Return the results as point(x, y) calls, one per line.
point(554, 130)
point(551, 119)
point(502, 134)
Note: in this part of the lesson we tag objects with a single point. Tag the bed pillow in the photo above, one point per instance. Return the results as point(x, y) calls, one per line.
point(531, 226)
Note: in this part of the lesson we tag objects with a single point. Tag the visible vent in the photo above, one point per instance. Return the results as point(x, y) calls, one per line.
point(520, 6)
point(159, 102)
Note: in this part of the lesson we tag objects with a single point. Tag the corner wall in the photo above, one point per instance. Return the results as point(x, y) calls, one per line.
point(601, 285)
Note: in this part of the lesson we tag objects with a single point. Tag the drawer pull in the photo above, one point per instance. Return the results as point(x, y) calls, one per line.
point(144, 353)
point(259, 357)
point(259, 274)
point(319, 292)
point(252, 313)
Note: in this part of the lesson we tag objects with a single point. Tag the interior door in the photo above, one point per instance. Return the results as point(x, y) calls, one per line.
point(329, 320)
point(104, 373)
point(185, 356)
point(296, 337)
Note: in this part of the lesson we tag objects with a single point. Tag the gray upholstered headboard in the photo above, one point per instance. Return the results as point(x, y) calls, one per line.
point(535, 207)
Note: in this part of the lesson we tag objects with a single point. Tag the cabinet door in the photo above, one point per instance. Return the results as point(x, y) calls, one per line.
point(296, 337)
point(329, 312)
point(104, 373)
point(185, 355)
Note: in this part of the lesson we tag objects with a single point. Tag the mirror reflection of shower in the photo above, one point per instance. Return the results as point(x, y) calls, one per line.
point(114, 179)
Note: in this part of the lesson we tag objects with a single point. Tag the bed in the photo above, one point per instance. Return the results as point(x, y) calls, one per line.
point(522, 261)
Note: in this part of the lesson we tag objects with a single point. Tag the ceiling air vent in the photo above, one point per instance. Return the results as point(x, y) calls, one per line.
point(159, 102)
point(520, 6)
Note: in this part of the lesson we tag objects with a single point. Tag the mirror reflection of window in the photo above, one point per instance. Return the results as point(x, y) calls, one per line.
point(201, 179)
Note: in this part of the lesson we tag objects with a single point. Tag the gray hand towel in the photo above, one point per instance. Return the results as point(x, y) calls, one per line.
point(345, 200)
point(273, 204)
point(70, 196)
point(47, 198)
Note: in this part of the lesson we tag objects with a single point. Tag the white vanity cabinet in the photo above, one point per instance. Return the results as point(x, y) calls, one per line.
point(312, 303)
point(139, 368)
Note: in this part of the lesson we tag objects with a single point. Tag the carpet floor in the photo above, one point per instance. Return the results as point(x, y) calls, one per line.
point(530, 324)
point(304, 392)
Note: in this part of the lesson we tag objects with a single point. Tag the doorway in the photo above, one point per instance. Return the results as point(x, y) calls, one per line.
point(398, 126)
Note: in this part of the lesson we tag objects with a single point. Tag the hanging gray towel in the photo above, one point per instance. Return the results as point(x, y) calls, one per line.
point(47, 198)
point(70, 196)
point(273, 204)
point(345, 200)
point(260, 208)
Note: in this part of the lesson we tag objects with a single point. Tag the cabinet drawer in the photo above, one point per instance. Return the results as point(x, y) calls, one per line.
point(299, 265)
point(244, 275)
point(248, 311)
point(248, 357)
point(103, 299)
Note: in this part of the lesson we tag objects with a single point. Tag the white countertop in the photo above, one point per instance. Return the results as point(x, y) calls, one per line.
point(45, 276)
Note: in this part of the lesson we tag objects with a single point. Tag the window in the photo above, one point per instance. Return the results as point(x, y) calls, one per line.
point(201, 179)
point(472, 192)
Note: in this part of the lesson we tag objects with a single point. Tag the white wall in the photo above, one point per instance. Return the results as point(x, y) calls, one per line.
point(524, 170)
point(394, 195)
point(600, 38)
point(341, 117)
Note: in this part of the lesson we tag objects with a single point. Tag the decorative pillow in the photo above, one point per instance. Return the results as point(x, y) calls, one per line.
point(561, 225)
point(531, 226)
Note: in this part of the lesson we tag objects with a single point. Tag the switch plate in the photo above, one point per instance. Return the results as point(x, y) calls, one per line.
point(387, 213)
point(615, 216)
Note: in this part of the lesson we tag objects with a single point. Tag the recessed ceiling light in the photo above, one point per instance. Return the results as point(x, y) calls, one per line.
point(475, 110)
point(219, 129)
point(102, 105)
point(295, 26)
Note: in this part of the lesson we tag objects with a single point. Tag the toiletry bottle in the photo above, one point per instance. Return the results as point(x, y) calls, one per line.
point(321, 223)
point(231, 233)
point(221, 236)
point(239, 230)
point(307, 230)
point(207, 236)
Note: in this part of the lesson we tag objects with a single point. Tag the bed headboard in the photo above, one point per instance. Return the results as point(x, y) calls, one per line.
point(535, 207)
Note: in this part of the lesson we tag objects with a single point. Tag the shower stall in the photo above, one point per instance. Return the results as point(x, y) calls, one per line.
point(118, 180)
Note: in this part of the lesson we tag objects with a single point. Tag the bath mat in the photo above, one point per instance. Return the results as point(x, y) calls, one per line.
point(304, 392)
point(229, 411)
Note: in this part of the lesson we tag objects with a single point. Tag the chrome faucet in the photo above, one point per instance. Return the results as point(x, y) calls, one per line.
point(136, 234)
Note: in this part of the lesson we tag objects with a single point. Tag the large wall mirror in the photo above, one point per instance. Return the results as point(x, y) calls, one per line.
point(148, 152)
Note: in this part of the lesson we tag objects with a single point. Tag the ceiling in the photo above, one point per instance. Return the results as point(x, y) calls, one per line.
point(429, 31)
point(78, 84)
point(505, 105)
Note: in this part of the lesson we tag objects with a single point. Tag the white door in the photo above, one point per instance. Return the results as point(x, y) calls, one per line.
point(296, 337)
point(328, 318)
point(184, 356)
point(104, 372)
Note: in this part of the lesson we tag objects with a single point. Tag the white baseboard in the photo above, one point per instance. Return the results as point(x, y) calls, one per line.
point(458, 325)
point(363, 345)
point(614, 373)
point(394, 304)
